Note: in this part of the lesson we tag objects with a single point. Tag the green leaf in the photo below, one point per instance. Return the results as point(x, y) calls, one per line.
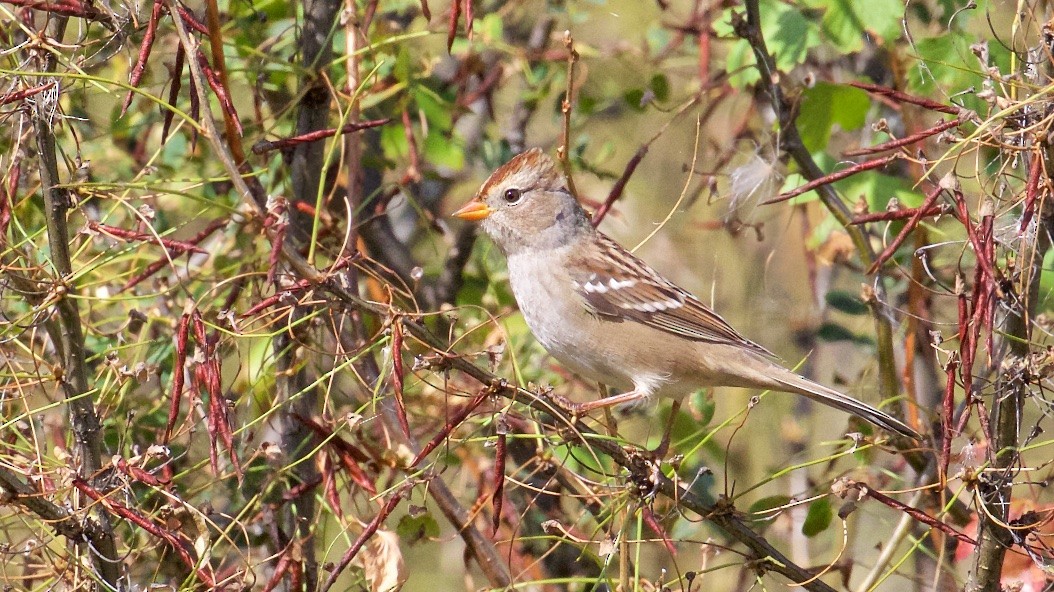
point(415, 527)
point(834, 332)
point(437, 110)
point(847, 22)
point(825, 105)
point(846, 302)
point(393, 142)
point(443, 151)
point(946, 66)
point(402, 68)
point(633, 98)
point(660, 85)
point(818, 518)
point(789, 35)
point(491, 29)
point(761, 509)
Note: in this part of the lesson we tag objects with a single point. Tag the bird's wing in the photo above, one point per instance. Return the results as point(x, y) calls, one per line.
point(617, 286)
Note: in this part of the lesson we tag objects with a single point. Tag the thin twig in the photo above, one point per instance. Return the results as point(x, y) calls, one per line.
point(84, 421)
point(563, 152)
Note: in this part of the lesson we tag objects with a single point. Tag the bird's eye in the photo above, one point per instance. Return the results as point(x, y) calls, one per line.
point(513, 195)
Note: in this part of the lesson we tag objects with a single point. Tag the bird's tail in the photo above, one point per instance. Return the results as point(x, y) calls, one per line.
point(821, 394)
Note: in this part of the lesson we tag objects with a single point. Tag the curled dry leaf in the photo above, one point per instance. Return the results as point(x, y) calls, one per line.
point(382, 560)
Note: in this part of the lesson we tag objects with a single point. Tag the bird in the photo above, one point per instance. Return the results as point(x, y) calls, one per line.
point(607, 315)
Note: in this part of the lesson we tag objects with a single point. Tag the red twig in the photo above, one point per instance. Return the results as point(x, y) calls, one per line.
point(191, 20)
point(144, 53)
point(276, 297)
point(139, 474)
point(425, 10)
point(414, 172)
point(19, 95)
point(221, 92)
point(208, 375)
point(278, 221)
point(947, 416)
point(498, 499)
point(300, 489)
point(455, 420)
point(349, 455)
point(971, 232)
point(1035, 171)
point(265, 146)
point(620, 185)
point(906, 98)
point(906, 140)
point(653, 523)
point(65, 8)
point(468, 19)
point(900, 214)
point(967, 347)
point(905, 232)
point(455, 13)
point(163, 262)
point(915, 513)
point(367, 532)
point(173, 89)
point(831, 178)
point(181, 547)
point(179, 247)
point(397, 375)
point(485, 86)
point(329, 485)
point(178, 368)
point(285, 562)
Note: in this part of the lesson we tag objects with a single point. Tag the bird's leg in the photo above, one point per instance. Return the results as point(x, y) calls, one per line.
point(609, 418)
point(664, 445)
point(633, 396)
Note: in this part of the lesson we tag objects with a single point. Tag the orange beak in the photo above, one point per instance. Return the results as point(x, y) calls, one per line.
point(474, 211)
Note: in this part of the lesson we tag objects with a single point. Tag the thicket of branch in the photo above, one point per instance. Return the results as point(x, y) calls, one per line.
point(244, 347)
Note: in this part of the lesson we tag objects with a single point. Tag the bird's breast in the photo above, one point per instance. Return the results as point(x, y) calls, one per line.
point(559, 321)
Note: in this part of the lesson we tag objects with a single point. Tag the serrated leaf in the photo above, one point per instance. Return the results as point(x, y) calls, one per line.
point(818, 518)
point(845, 302)
point(846, 23)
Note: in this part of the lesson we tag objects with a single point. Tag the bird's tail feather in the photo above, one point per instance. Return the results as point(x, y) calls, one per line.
point(832, 398)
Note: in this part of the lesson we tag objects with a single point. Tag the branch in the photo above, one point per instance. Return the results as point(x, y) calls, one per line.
point(750, 30)
point(488, 557)
point(640, 470)
point(87, 431)
point(995, 538)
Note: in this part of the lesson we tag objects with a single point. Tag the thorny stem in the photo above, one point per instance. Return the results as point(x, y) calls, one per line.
point(69, 341)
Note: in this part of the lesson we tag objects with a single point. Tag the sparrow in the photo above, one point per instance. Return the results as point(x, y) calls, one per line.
point(607, 315)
